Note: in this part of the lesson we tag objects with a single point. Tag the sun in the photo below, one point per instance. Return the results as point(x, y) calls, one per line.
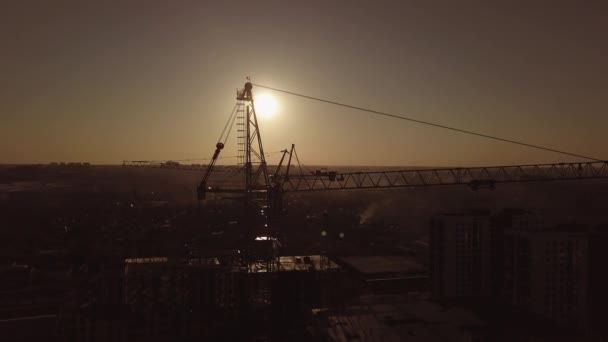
point(265, 106)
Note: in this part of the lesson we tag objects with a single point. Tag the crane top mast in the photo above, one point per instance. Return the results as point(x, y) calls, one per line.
point(257, 183)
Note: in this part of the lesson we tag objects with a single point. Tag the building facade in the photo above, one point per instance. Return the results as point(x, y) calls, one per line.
point(460, 255)
point(547, 272)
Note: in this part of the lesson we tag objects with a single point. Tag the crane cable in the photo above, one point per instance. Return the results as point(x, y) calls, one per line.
point(228, 126)
point(428, 123)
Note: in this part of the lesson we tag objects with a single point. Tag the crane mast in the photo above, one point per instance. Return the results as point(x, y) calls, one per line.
point(257, 182)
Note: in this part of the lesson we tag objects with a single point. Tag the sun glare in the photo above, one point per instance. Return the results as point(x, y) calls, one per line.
point(265, 106)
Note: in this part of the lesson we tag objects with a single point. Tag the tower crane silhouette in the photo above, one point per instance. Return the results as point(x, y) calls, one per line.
point(265, 190)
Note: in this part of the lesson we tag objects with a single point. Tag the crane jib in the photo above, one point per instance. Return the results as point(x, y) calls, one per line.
point(475, 177)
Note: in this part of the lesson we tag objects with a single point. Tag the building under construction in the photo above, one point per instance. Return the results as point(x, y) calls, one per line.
point(164, 299)
point(250, 291)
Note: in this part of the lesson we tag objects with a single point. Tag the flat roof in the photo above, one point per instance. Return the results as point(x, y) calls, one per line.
point(305, 262)
point(383, 264)
point(149, 260)
point(397, 318)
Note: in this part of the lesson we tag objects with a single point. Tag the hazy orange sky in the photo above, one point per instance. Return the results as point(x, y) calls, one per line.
point(105, 81)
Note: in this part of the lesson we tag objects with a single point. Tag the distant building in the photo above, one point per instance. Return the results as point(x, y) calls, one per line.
point(460, 255)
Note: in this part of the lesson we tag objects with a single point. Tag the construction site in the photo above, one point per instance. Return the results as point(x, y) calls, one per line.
point(254, 260)
point(323, 171)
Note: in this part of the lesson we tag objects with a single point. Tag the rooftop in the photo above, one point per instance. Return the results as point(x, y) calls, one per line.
point(397, 318)
point(369, 265)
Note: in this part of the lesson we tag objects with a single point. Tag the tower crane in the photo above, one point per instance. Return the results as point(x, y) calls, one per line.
point(267, 189)
point(262, 190)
